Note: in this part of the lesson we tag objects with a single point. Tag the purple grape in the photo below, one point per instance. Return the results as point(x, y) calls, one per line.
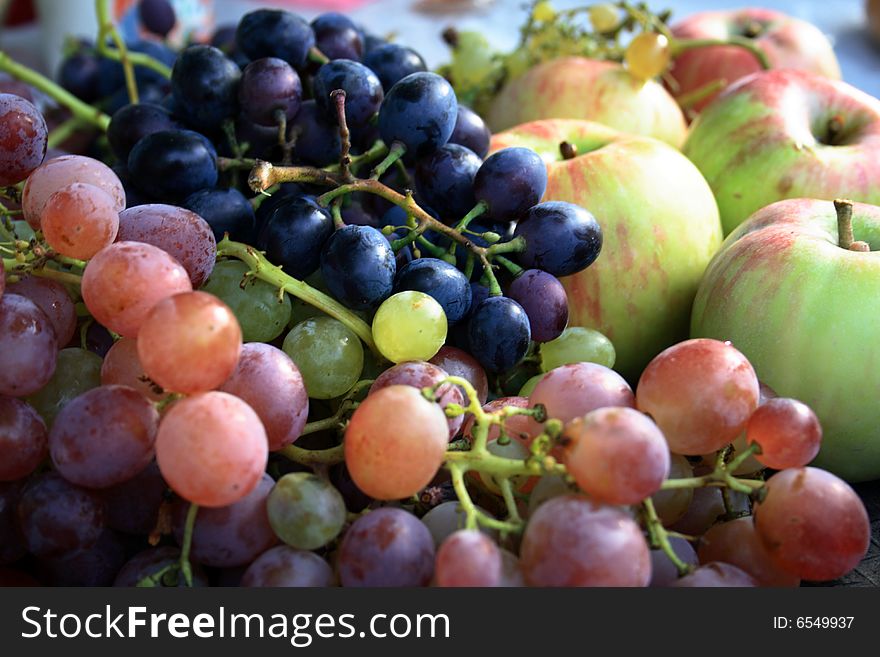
point(498, 333)
point(337, 37)
point(133, 506)
point(543, 298)
point(510, 182)
point(28, 347)
point(268, 86)
point(363, 91)
point(392, 62)
point(204, 82)
point(12, 545)
point(445, 180)
point(157, 16)
point(419, 111)
point(284, 566)
point(96, 565)
point(131, 123)
point(275, 33)
point(317, 137)
point(151, 561)
point(561, 238)
point(471, 131)
point(23, 439)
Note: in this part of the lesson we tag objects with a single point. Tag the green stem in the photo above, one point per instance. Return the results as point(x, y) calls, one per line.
point(680, 46)
point(688, 100)
point(107, 28)
point(660, 537)
point(314, 456)
point(396, 152)
point(317, 56)
point(476, 211)
point(185, 566)
point(64, 131)
point(509, 265)
point(509, 500)
point(741, 458)
point(377, 151)
point(516, 245)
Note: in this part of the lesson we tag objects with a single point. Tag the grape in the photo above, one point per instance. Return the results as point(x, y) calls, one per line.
point(269, 86)
point(574, 390)
point(157, 16)
point(28, 348)
point(544, 301)
point(472, 60)
point(548, 487)
point(409, 325)
point(131, 123)
point(716, 575)
point(283, 566)
point(445, 180)
point(706, 508)
point(392, 62)
point(510, 182)
point(295, 235)
point(447, 518)
point(23, 137)
point(700, 393)
point(10, 577)
point(604, 17)
point(577, 344)
point(104, 437)
point(672, 504)
point(663, 571)
point(189, 342)
point(468, 558)
point(337, 37)
point(328, 355)
point(514, 450)
point(172, 164)
point(571, 541)
point(318, 142)
point(393, 465)
point(358, 267)
point(305, 511)
point(151, 561)
point(648, 55)
point(271, 384)
point(561, 238)
point(386, 547)
point(498, 333)
point(76, 371)
point(204, 83)
point(275, 33)
point(812, 524)
point(133, 506)
point(511, 572)
point(231, 535)
point(750, 466)
point(79, 220)
point(442, 281)
point(420, 375)
point(122, 366)
point(23, 439)
point(79, 74)
point(787, 431)
point(521, 428)
point(419, 111)
point(471, 131)
point(96, 565)
point(529, 386)
point(363, 91)
point(59, 172)
point(57, 517)
point(616, 455)
point(457, 362)
point(12, 544)
point(53, 299)
point(211, 449)
point(737, 543)
point(226, 211)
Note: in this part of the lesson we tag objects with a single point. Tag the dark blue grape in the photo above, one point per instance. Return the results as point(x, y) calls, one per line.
point(419, 111)
point(392, 62)
point(275, 33)
point(172, 164)
point(257, 140)
point(295, 234)
point(561, 238)
point(363, 91)
point(317, 138)
point(226, 211)
point(98, 339)
point(337, 37)
point(441, 280)
point(358, 267)
point(268, 204)
point(224, 38)
point(372, 41)
point(471, 131)
point(267, 86)
point(204, 82)
point(543, 298)
point(498, 333)
point(354, 213)
point(510, 182)
point(111, 76)
point(147, 93)
point(80, 74)
point(445, 180)
point(157, 16)
point(132, 123)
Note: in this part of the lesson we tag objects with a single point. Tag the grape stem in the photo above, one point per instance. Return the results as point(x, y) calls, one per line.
point(721, 475)
point(311, 457)
point(659, 537)
point(185, 566)
point(338, 97)
point(394, 154)
point(680, 46)
point(107, 28)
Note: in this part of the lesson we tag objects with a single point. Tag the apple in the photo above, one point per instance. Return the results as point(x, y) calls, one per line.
point(787, 134)
point(588, 89)
point(660, 229)
point(788, 42)
point(802, 309)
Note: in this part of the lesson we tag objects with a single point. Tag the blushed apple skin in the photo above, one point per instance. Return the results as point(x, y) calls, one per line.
point(788, 42)
point(759, 142)
point(591, 90)
point(805, 313)
point(660, 229)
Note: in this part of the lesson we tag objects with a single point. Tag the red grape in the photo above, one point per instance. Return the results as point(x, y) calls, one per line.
point(716, 575)
point(28, 347)
point(574, 390)
point(23, 137)
point(23, 439)
point(522, 428)
point(706, 507)
point(663, 571)
point(54, 300)
point(151, 561)
point(284, 566)
point(122, 366)
point(79, 220)
point(787, 431)
point(468, 558)
point(673, 503)
point(457, 362)
point(133, 506)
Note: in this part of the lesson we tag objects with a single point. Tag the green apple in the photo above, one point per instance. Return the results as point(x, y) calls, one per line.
point(592, 90)
point(803, 310)
point(660, 229)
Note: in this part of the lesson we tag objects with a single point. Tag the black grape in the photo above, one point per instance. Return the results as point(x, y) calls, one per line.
point(226, 211)
point(275, 33)
point(172, 164)
point(358, 267)
point(510, 182)
point(337, 37)
point(295, 234)
point(204, 82)
point(561, 238)
point(419, 111)
point(445, 180)
point(441, 280)
point(392, 62)
point(132, 123)
point(363, 91)
point(498, 333)
point(267, 86)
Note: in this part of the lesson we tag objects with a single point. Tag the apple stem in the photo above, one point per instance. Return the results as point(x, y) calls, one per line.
point(843, 207)
point(683, 45)
point(568, 150)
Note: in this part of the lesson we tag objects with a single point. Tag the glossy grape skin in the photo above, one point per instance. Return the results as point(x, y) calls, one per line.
point(393, 465)
point(358, 267)
point(420, 112)
point(471, 131)
point(28, 347)
point(409, 325)
point(445, 180)
point(787, 431)
point(284, 566)
point(259, 312)
point(172, 164)
point(295, 234)
point(204, 83)
point(132, 123)
point(442, 281)
point(305, 510)
point(716, 574)
point(571, 541)
point(363, 91)
point(672, 504)
point(577, 344)
point(61, 171)
point(663, 571)
point(77, 371)
point(189, 342)
point(337, 37)
point(23, 137)
point(153, 560)
point(386, 547)
point(269, 86)
point(157, 16)
point(57, 517)
point(468, 558)
point(498, 333)
point(23, 439)
point(544, 301)
point(510, 182)
point(812, 524)
point(133, 506)
point(561, 238)
point(122, 366)
point(648, 55)
point(574, 390)
point(392, 62)
point(275, 33)
point(53, 299)
point(79, 220)
point(700, 393)
point(318, 142)
point(226, 211)
point(327, 353)
point(211, 448)
point(457, 362)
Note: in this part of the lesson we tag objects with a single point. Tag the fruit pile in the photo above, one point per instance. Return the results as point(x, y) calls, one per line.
point(297, 319)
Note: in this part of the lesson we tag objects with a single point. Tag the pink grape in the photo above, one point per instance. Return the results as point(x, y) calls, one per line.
point(522, 428)
point(663, 571)
point(716, 575)
point(468, 558)
point(457, 362)
point(54, 300)
point(28, 347)
point(23, 138)
point(23, 439)
point(574, 390)
point(122, 366)
point(673, 503)
point(284, 566)
point(79, 220)
point(787, 431)
point(706, 508)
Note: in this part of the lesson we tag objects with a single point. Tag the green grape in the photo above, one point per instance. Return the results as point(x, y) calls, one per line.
point(299, 309)
point(604, 17)
point(543, 11)
point(529, 385)
point(305, 510)
point(22, 230)
point(513, 449)
point(409, 325)
point(256, 307)
point(329, 356)
point(577, 345)
point(548, 486)
point(473, 62)
point(77, 371)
